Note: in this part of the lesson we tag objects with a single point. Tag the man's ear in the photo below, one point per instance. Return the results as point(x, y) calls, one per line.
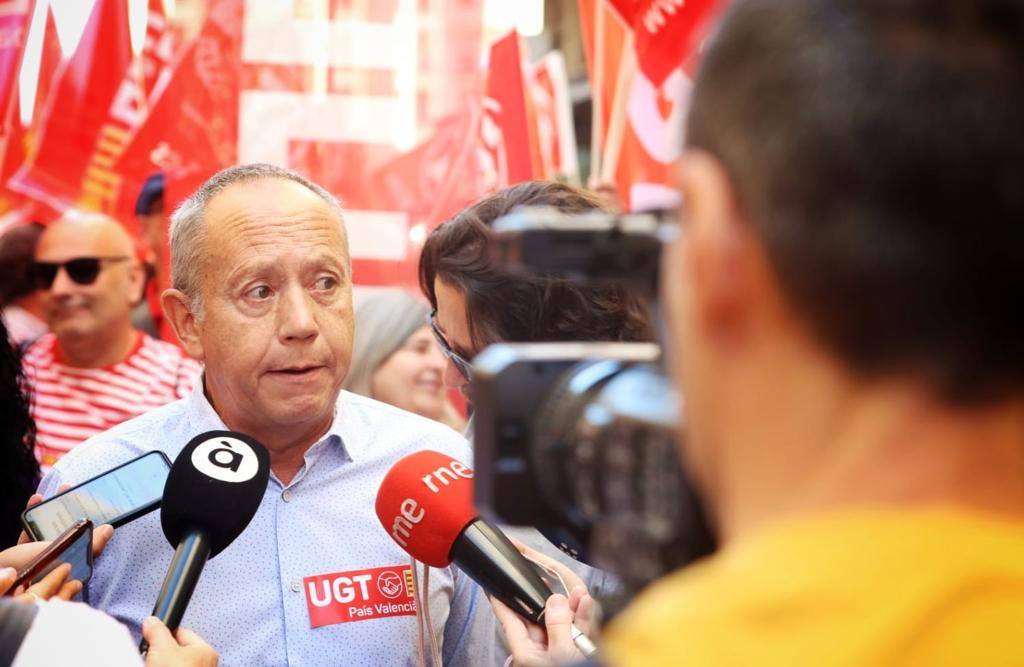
point(177, 310)
point(718, 242)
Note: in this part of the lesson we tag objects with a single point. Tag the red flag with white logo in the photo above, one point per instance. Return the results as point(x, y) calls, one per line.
point(666, 33)
point(100, 97)
point(652, 114)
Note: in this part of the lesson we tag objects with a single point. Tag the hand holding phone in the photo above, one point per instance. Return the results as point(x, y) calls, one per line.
point(62, 568)
point(115, 497)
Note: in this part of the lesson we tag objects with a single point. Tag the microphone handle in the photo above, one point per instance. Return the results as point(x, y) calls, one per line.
point(182, 577)
point(484, 553)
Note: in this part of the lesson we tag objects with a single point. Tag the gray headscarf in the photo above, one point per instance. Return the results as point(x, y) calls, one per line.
point(384, 321)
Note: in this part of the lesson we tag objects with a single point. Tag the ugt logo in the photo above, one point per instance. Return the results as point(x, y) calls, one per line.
point(390, 584)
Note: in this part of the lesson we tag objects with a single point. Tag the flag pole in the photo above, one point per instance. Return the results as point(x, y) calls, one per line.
point(597, 92)
point(617, 119)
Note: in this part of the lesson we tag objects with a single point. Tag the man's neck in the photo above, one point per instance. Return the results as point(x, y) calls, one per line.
point(98, 351)
point(287, 446)
point(819, 442)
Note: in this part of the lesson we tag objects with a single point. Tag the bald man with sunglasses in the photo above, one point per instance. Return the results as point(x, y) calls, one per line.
point(94, 370)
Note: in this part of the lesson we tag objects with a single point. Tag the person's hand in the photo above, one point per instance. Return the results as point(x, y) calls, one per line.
point(22, 553)
point(607, 192)
point(533, 646)
point(187, 649)
point(552, 645)
point(54, 584)
point(19, 555)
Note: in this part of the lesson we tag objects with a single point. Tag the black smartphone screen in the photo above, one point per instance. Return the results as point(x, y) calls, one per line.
point(115, 497)
point(79, 554)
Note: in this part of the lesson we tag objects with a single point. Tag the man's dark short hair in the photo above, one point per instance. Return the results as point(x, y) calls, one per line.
point(504, 305)
point(17, 252)
point(877, 148)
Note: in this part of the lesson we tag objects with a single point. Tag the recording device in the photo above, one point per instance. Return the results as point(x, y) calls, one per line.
point(212, 493)
point(74, 546)
point(116, 497)
point(425, 504)
point(579, 439)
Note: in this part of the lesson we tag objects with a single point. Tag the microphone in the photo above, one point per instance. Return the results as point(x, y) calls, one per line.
point(426, 504)
point(212, 493)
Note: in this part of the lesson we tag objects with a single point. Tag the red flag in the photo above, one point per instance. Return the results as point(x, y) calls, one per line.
point(77, 109)
point(506, 131)
point(556, 134)
point(666, 32)
point(14, 16)
point(191, 129)
point(100, 97)
point(652, 136)
point(20, 141)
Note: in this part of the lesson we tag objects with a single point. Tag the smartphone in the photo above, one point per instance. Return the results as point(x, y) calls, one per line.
point(74, 546)
point(115, 497)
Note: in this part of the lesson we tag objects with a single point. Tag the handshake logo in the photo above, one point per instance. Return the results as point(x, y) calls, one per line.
point(226, 459)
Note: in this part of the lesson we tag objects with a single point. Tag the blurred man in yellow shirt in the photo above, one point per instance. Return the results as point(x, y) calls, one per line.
point(845, 300)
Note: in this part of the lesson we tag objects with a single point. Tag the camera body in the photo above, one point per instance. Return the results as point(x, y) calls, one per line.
point(580, 439)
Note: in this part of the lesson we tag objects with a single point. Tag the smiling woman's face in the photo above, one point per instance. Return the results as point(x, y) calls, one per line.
point(412, 378)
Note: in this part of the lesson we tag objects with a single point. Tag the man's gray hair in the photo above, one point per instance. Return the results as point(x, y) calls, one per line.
point(188, 224)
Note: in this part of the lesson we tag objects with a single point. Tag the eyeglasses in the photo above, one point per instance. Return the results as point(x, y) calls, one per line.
point(82, 270)
point(465, 368)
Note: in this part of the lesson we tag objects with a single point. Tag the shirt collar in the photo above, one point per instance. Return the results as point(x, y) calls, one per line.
point(206, 419)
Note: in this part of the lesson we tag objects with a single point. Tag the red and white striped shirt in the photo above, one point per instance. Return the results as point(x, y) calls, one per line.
point(71, 404)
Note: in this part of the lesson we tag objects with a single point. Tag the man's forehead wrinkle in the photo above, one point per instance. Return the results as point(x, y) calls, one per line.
point(302, 229)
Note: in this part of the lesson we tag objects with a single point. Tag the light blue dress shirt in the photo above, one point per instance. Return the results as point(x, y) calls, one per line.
point(251, 601)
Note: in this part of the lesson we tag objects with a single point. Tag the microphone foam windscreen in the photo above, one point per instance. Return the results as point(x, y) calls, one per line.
point(424, 502)
point(215, 485)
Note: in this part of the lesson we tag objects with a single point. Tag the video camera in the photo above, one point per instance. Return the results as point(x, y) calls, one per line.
point(579, 439)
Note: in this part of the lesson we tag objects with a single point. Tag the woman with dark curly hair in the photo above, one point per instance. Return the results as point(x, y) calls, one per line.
point(477, 302)
point(19, 471)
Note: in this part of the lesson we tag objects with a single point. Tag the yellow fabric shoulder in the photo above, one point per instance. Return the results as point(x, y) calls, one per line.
point(875, 587)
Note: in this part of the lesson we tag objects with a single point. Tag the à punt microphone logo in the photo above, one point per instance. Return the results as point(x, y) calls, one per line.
point(226, 459)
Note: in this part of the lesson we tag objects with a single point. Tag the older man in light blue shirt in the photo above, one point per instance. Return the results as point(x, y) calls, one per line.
point(262, 295)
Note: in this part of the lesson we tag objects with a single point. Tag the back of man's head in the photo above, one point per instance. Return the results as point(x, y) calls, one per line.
point(17, 250)
point(877, 148)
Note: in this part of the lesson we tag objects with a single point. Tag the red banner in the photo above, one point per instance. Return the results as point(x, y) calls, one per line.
point(379, 102)
point(344, 97)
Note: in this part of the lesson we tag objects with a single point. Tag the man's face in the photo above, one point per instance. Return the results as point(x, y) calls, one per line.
point(677, 302)
point(453, 325)
point(276, 330)
point(706, 297)
point(96, 310)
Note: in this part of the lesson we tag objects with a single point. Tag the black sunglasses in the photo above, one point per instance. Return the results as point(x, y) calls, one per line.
point(465, 368)
point(82, 270)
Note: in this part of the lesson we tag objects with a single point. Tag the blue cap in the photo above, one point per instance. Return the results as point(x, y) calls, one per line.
point(152, 190)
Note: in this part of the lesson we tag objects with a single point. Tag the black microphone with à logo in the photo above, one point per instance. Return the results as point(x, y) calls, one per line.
point(212, 493)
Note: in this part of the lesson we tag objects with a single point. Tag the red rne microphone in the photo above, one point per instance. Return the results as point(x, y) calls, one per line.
point(426, 504)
